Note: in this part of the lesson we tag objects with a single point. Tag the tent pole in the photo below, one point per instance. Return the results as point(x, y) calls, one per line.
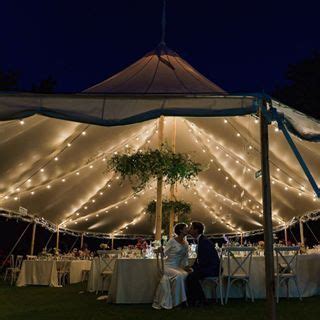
point(241, 239)
point(33, 238)
point(159, 184)
point(112, 243)
point(286, 235)
point(267, 216)
point(57, 239)
point(171, 218)
point(81, 241)
point(301, 232)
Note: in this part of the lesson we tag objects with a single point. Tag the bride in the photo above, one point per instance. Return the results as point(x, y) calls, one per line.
point(171, 289)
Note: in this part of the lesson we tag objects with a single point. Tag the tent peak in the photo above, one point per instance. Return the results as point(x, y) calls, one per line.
point(161, 70)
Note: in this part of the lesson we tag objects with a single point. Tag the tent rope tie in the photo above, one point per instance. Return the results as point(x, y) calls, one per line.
point(295, 239)
point(15, 245)
point(312, 232)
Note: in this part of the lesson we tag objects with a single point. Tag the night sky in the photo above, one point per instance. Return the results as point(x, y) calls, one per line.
point(243, 46)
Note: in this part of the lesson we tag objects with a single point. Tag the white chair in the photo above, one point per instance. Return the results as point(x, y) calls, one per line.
point(239, 269)
point(286, 268)
point(14, 268)
point(9, 269)
point(215, 282)
point(63, 269)
point(106, 265)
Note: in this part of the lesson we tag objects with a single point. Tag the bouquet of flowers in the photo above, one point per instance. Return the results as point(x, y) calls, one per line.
point(141, 244)
point(104, 246)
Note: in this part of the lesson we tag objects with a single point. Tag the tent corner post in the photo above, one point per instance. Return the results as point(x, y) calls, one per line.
point(33, 238)
point(286, 234)
point(57, 239)
point(81, 241)
point(301, 231)
point(267, 214)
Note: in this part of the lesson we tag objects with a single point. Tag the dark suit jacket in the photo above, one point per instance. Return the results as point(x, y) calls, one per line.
point(207, 262)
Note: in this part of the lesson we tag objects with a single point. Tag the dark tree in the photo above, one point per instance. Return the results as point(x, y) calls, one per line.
point(9, 80)
point(47, 85)
point(303, 89)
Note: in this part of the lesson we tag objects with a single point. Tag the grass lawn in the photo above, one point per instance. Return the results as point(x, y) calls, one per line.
point(66, 303)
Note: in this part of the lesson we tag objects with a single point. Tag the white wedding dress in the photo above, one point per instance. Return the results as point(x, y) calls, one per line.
point(171, 289)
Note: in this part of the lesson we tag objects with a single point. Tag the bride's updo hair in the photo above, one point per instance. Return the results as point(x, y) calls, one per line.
point(179, 227)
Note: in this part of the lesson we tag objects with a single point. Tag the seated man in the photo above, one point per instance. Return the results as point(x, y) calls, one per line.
point(206, 264)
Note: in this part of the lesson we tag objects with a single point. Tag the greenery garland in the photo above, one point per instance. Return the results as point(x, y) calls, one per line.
point(142, 166)
point(178, 207)
point(181, 209)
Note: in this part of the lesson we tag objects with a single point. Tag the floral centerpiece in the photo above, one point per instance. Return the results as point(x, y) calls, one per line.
point(141, 244)
point(104, 246)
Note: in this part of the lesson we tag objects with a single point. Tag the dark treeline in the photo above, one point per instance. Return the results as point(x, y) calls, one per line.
point(10, 82)
point(302, 90)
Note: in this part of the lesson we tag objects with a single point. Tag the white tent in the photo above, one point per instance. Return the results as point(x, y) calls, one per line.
point(57, 169)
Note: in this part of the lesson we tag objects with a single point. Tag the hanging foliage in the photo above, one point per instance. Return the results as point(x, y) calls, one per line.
point(180, 208)
point(142, 166)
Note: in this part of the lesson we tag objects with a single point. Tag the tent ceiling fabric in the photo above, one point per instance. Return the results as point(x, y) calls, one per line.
point(76, 185)
point(58, 169)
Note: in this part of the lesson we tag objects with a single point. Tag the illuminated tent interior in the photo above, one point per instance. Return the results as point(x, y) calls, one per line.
point(55, 150)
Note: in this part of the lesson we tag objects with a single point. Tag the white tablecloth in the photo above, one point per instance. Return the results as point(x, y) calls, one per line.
point(38, 273)
point(95, 282)
point(135, 280)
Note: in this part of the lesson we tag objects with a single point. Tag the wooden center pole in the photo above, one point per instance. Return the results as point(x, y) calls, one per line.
point(33, 238)
point(171, 218)
point(267, 217)
point(159, 184)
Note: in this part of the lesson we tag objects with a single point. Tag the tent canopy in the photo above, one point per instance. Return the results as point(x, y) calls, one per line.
point(57, 169)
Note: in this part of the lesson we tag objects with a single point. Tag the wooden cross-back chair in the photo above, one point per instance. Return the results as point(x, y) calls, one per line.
point(239, 261)
point(286, 268)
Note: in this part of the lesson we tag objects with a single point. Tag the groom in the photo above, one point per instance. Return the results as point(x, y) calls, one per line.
point(206, 265)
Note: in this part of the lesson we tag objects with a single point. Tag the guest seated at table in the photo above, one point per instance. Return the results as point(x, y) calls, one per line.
point(171, 290)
